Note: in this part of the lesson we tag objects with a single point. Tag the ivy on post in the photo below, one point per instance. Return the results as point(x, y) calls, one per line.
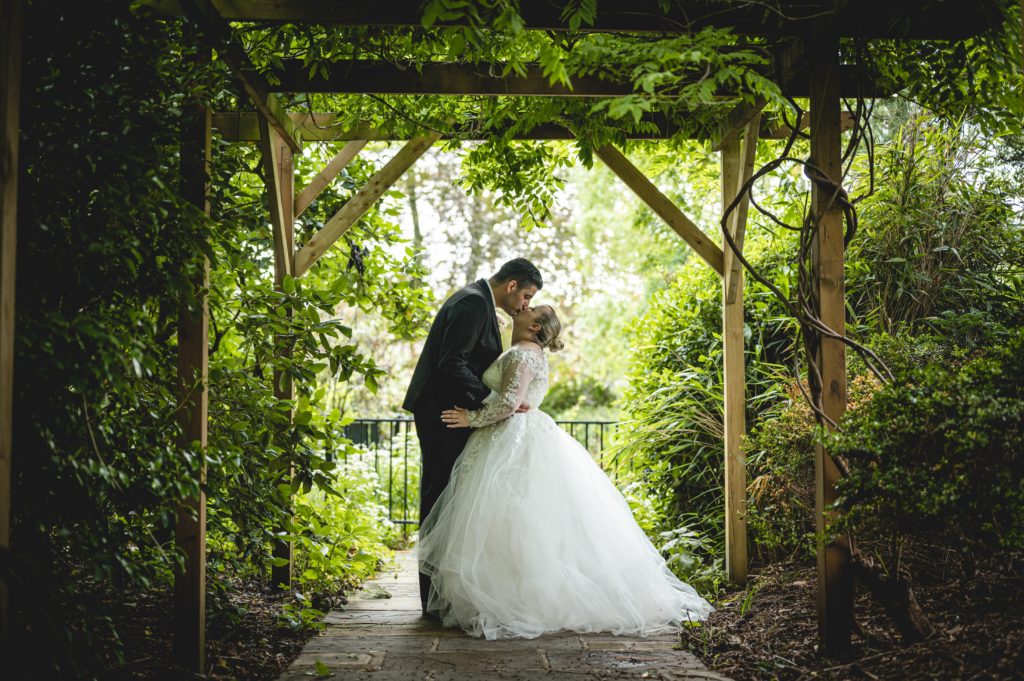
point(278, 166)
point(193, 374)
point(828, 383)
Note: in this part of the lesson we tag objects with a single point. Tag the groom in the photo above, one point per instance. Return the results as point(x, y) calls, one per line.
point(463, 341)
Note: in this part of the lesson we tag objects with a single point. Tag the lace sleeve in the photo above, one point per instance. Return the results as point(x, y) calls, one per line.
point(515, 379)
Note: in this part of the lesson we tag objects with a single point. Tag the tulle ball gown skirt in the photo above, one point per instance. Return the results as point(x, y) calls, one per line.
point(531, 537)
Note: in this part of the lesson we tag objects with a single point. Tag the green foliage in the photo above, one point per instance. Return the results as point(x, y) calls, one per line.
point(780, 460)
point(937, 453)
point(965, 249)
point(780, 451)
point(343, 537)
point(981, 74)
point(108, 253)
point(673, 436)
point(566, 398)
point(686, 554)
point(107, 249)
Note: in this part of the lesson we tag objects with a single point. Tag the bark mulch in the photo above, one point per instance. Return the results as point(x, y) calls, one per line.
point(245, 639)
point(769, 631)
point(244, 642)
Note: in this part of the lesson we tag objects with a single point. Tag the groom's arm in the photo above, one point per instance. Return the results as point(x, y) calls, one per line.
point(462, 333)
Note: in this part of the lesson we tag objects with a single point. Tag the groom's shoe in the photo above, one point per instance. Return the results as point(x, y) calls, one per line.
point(431, 615)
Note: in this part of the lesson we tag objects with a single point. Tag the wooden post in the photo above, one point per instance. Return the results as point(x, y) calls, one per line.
point(734, 419)
point(10, 92)
point(193, 359)
point(278, 165)
point(835, 578)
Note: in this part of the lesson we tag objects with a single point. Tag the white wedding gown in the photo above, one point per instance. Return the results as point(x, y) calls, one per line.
point(531, 537)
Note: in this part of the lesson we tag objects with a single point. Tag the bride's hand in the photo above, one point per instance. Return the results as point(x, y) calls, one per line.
point(455, 418)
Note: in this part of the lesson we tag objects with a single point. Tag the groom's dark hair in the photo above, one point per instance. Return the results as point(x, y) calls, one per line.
point(522, 270)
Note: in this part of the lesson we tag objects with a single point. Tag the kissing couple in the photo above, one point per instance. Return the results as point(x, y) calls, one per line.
point(521, 532)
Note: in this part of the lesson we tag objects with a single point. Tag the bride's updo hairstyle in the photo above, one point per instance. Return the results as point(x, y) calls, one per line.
point(550, 327)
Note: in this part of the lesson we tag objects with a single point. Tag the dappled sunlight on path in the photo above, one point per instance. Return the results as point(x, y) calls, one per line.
point(387, 639)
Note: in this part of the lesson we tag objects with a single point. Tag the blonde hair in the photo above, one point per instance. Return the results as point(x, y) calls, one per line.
point(550, 327)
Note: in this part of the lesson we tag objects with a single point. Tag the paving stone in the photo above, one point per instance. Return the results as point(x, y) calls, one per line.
point(358, 617)
point(370, 630)
point(347, 644)
point(551, 642)
point(396, 603)
point(388, 639)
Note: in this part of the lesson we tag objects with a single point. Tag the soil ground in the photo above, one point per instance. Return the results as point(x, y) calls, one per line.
point(769, 631)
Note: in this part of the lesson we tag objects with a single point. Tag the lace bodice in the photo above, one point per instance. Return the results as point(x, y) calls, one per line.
point(518, 375)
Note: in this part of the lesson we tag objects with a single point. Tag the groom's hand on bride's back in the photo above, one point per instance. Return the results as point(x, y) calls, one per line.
point(522, 408)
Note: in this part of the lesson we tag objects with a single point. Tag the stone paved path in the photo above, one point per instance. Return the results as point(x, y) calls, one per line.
point(385, 639)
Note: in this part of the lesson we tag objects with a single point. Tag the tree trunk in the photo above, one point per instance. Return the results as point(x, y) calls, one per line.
point(896, 596)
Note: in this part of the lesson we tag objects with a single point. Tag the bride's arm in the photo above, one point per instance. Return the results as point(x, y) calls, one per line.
point(515, 379)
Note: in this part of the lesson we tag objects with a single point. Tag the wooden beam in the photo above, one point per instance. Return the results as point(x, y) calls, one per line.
point(327, 175)
point(231, 52)
point(362, 201)
point(323, 127)
point(734, 123)
point(662, 206)
point(356, 76)
point(862, 19)
point(835, 577)
point(738, 218)
point(193, 374)
point(275, 155)
point(734, 386)
point(787, 62)
point(10, 102)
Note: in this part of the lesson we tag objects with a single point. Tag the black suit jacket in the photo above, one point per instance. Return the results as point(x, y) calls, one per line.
point(463, 341)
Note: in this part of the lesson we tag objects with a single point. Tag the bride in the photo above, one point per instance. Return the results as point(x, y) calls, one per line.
point(530, 536)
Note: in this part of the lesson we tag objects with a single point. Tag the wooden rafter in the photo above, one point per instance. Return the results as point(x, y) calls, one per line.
point(861, 19)
point(355, 207)
point(322, 127)
point(451, 78)
point(280, 202)
point(662, 205)
point(327, 175)
point(231, 52)
point(738, 218)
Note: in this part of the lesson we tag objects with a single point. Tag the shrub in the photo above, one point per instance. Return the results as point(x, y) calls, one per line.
point(341, 540)
point(938, 453)
point(672, 438)
point(566, 399)
point(780, 465)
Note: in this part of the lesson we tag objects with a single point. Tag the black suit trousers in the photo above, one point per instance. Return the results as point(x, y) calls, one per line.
point(440, 446)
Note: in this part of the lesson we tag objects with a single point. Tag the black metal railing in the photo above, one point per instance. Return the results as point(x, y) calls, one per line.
point(391, 446)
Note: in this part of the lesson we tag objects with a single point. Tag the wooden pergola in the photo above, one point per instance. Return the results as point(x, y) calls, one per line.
point(807, 66)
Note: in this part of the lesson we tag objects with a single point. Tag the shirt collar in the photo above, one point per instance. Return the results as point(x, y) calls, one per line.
point(494, 302)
